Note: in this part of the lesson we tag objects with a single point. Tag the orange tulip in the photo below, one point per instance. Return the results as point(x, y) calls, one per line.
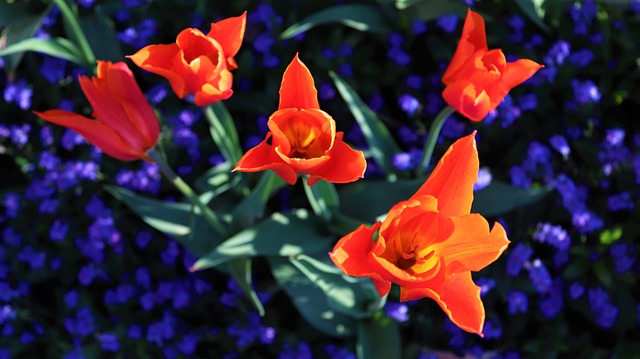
point(197, 63)
point(477, 78)
point(124, 125)
point(430, 243)
point(302, 138)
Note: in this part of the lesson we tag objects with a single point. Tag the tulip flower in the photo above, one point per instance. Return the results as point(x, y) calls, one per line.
point(430, 243)
point(302, 138)
point(124, 125)
point(197, 63)
point(477, 78)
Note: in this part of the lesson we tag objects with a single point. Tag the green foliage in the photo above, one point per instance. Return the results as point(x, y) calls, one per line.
point(358, 16)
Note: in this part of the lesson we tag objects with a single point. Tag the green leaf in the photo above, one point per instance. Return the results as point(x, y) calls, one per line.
point(252, 207)
point(378, 338)
point(603, 273)
point(240, 269)
point(382, 146)
point(499, 198)
point(74, 31)
point(223, 131)
point(379, 197)
point(101, 35)
point(428, 10)
point(310, 300)
point(323, 199)
point(279, 235)
point(56, 47)
point(177, 220)
point(355, 297)
point(20, 21)
point(358, 16)
point(535, 12)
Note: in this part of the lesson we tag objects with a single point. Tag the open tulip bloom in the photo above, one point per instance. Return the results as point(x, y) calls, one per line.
point(196, 63)
point(477, 78)
point(430, 243)
point(124, 125)
point(302, 138)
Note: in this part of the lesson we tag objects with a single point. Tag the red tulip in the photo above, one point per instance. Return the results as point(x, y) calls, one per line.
point(197, 63)
point(124, 125)
point(302, 138)
point(430, 243)
point(477, 78)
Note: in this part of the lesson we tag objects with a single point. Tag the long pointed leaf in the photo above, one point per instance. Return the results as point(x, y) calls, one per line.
point(240, 269)
point(56, 47)
point(358, 16)
point(382, 146)
point(278, 235)
point(223, 131)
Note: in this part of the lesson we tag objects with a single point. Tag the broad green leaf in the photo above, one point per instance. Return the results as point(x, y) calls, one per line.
point(358, 16)
point(382, 146)
point(240, 269)
point(428, 10)
point(310, 300)
point(56, 47)
point(74, 31)
point(535, 12)
point(223, 131)
point(20, 22)
point(323, 199)
point(379, 197)
point(215, 177)
point(378, 338)
point(252, 207)
point(355, 297)
point(279, 235)
point(178, 220)
point(499, 198)
point(101, 35)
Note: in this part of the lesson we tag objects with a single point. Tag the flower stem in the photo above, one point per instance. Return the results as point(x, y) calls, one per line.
point(434, 133)
point(187, 191)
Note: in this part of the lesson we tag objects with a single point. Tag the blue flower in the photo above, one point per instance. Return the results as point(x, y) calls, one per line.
point(555, 236)
point(109, 342)
point(397, 311)
point(518, 302)
point(519, 255)
point(604, 312)
point(539, 276)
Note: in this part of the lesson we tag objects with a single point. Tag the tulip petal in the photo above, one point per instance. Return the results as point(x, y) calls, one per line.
point(463, 97)
point(471, 247)
point(229, 34)
point(95, 132)
point(351, 255)
point(124, 88)
point(159, 59)
point(343, 166)
point(297, 89)
point(473, 39)
point(451, 181)
point(262, 157)
point(210, 93)
point(458, 297)
point(514, 74)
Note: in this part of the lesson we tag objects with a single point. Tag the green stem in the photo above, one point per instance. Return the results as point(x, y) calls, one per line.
point(183, 187)
point(223, 132)
point(434, 133)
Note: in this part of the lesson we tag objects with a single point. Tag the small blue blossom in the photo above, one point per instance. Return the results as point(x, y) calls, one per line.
point(409, 104)
point(623, 256)
point(518, 302)
point(621, 202)
point(492, 329)
point(517, 258)
point(604, 312)
point(539, 276)
point(397, 311)
point(555, 236)
point(53, 69)
point(109, 342)
point(576, 290)
point(448, 23)
point(551, 302)
point(585, 92)
point(484, 179)
point(560, 144)
point(71, 299)
point(81, 324)
point(20, 93)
